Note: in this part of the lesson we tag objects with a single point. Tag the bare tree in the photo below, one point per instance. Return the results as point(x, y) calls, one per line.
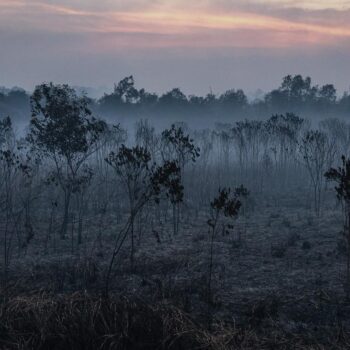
point(11, 169)
point(225, 205)
point(133, 167)
point(315, 151)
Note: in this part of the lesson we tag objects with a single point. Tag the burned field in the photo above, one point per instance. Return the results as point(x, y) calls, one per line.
point(223, 238)
point(284, 277)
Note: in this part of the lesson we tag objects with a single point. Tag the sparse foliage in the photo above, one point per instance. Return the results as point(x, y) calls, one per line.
point(63, 131)
point(341, 176)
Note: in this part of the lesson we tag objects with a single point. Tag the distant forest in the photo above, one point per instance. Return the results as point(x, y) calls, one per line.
point(295, 94)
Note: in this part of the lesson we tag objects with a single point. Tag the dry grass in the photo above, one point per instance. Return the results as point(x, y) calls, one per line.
point(80, 321)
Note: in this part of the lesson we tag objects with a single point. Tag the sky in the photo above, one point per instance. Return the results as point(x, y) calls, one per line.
point(198, 46)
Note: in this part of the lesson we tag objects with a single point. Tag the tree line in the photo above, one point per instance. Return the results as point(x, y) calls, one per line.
point(295, 94)
point(72, 172)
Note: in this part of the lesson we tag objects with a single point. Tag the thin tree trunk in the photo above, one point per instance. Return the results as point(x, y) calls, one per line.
point(64, 226)
point(348, 260)
point(132, 244)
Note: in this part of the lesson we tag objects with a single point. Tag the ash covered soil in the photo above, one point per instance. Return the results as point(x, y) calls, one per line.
point(280, 272)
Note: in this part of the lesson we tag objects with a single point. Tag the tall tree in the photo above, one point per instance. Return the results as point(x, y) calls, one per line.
point(65, 133)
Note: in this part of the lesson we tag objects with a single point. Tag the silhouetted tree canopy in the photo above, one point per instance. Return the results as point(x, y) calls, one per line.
point(296, 94)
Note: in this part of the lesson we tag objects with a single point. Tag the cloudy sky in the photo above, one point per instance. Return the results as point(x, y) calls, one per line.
point(196, 45)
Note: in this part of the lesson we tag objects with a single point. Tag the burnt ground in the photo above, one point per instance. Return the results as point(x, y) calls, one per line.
point(285, 275)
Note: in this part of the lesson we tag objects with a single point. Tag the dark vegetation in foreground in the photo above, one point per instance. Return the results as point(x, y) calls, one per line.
point(79, 321)
point(224, 238)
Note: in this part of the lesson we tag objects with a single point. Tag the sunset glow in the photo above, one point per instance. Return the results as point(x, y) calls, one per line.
point(192, 22)
point(59, 29)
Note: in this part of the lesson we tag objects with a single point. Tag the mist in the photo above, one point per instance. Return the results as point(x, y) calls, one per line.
point(174, 175)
